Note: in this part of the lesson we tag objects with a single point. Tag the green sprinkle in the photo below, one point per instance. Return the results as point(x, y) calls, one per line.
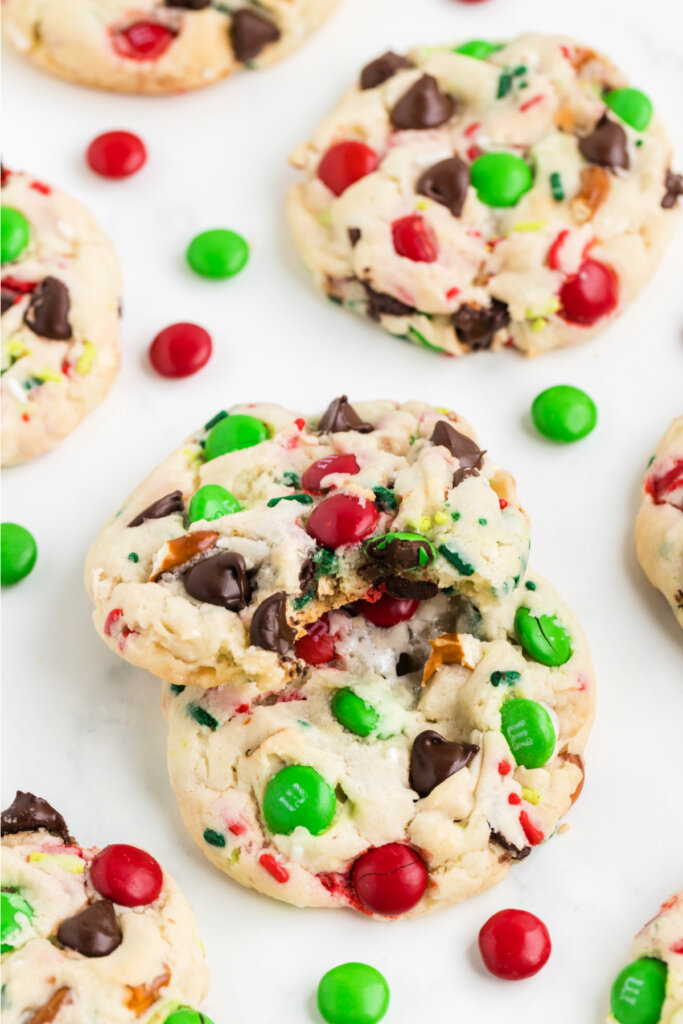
point(202, 717)
point(385, 498)
point(335, 300)
point(303, 499)
point(509, 677)
point(639, 143)
point(530, 585)
point(133, 557)
point(176, 688)
point(504, 85)
point(455, 516)
point(523, 85)
point(291, 479)
point(216, 419)
point(556, 186)
point(483, 522)
point(420, 339)
point(463, 567)
point(300, 602)
point(214, 838)
point(521, 69)
point(325, 562)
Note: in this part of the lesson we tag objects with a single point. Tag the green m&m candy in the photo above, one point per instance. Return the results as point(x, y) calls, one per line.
point(501, 179)
point(217, 253)
point(480, 49)
point(211, 502)
point(15, 234)
point(186, 1015)
point(543, 638)
point(298, 796)
point(529, 731)
point(564, 413)
point(632, 106)
point(639, 991)
point(18, 552)
point(354, 713)
point(14, 910)
point(233, 433)
point(353, 994)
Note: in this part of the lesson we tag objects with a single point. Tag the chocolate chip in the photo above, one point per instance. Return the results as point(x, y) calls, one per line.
point(606, 145)
point(382, 68)
point(462, 447)
point(411, 590)
point(434, 758)
point(93, 931)
point(340, 416)
point(250, 33)
point(673, 183)
point(422, 106)
point(462, 474)
point(354, 236)
point(515, 852)
point(220, 579)
point(477, 327)
point(48, 310)
point(446, 183)
point(160, 508)
point(191, 5)
point(380, 304)
point(408, 663)
point(28, 813)
point(269, 627)
point(397, 552)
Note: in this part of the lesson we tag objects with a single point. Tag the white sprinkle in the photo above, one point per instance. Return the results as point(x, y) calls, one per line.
point(16, 390)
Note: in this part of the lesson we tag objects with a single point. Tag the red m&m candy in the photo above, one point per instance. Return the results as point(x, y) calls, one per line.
point(346, 163)
point(390, 879)
point(180, 350)
point(126, 875)
point(143, 40)
point(317, 646)
point(414, 239)
point(341, 519)
point(388, 611)
point(514, 944)
point(589, 294)
point(317, 471)
point(116, 154)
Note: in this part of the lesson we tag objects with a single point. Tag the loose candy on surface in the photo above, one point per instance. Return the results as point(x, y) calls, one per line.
point(15, 232)
point(126, 875)
point(186, 1015)
point(564, 413)
point(353, 993)
point(514, 944)
point(298, 796)
point(180, 350)
point(218, 253)
point(18, 552)
point(116, 154)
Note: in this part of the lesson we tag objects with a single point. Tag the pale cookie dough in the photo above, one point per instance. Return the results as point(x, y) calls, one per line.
point(60, 319)
point(652, 984)
point(659, 526)
point(152, 46)
point(222, 600)
point(466, 808)
point(410, 230)
point(72, 956)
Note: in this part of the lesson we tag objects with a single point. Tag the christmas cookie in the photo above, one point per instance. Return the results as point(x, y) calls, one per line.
point(264, 520)
point(61, 291)
point(91, 934)
point(650, 989)
point(157, 46)
point(406, 768)
point(487, 194)
point(659, 526)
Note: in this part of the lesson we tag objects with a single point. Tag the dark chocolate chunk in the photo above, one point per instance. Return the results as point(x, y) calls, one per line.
point(339, 416)
point(28, 813)
point(191, 5)
point(412, 590)
point(422, 106)
point(400, 552)
point(462, 447)
point(408, 662)
point(673, 183)
point(606, 145)
point(220, 579)
point(160, 508)
point(93, 931)
point(515, 852)
point(477, 327)
point(462, 474)
point(250, 33)
point(446, 183)
point(380, 304)
point(48, 310)
point(382, 68)
point(434, 758)
point(269, 627)
point(354, 236)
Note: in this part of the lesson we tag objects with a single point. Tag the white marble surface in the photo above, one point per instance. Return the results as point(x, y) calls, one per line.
point(85, 730)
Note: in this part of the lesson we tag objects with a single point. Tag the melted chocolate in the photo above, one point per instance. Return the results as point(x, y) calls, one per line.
point(462, 474)
point(515, 852)
point(446, 183)
point(340, 416)
point(477, 327)
point(673, 183)
point(269, 627)
point(221, 580)
point(434, 759)
point(400, 553)
point(462, 447)
point(380, 304)
point(160, 508)
point(382, 68)
point(422, 106)
point(412, 590)
point(408, 662)
point(48, 310)
point(28, 813)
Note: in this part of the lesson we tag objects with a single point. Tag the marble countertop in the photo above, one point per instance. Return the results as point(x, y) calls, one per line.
point(85, 730)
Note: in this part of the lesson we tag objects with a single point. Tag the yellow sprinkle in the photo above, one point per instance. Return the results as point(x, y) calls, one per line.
point(44, 373)
point(538, 324)
point(443, 409)
point(85, 361)
point(74, 865)
point(325, 218)
point(15, 347)
point(421, 204)
point(531, 795)
point(425, 524)
point(530, 225)
point(552, 306)
point(440, 518)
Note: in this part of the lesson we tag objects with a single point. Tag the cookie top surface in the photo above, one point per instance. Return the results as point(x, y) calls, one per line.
point(487, 195)
point(61, 289)
point(220, 559)
point(90, 934)
point(659, 526)
point(652, 984)
point(457, 751)
point(157, 46)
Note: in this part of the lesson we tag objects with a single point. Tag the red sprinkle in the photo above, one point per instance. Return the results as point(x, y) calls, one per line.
point(300, 423)
point(533, 834)
point(274, 868)
point(237, 828)
point(242, 709)
point(452, 293)
point(554, 250)
point(660, 486)
point(677, 947)
point(472, 153)
point(504, 768)
point(25, 417)
point(471, 129)
point(116, 154)
point(531, 103)
point(39, 187)
point(565, 53)
point(514, 798)
point(503, 503)
point(111, 619)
